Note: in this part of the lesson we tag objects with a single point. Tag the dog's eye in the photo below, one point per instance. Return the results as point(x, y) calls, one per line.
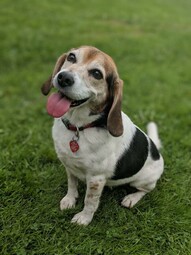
point(71, 58)
point(97, 74)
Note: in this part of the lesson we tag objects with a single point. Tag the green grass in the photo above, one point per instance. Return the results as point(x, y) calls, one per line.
point(151, 44)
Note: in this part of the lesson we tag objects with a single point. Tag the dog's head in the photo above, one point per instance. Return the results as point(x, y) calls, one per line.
point(88, 77)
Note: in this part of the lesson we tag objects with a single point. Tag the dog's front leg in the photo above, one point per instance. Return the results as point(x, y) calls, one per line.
point(69, 200)
point(95, 185)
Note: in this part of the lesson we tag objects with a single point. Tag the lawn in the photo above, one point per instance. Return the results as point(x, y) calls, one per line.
point(150, 40)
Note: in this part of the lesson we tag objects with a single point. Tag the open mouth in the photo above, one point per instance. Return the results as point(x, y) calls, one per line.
point(75, 103)
point(58, 104)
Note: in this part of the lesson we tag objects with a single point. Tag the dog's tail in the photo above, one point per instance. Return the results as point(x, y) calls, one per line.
point(152, 132)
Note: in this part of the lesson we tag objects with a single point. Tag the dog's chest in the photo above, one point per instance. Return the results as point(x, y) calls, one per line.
point(96, 151)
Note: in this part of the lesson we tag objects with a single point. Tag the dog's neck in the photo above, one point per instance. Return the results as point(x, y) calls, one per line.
point(81, 116)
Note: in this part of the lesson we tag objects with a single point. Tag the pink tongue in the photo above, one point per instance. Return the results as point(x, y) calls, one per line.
point(57, 105)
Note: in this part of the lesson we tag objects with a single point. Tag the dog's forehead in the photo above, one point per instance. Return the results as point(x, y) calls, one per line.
point(88, 54)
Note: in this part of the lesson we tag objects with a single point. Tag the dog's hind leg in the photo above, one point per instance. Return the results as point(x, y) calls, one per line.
point(69, 201)
point(132, 199)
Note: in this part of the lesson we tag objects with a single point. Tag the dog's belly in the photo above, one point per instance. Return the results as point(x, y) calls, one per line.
point(81, 167)
point(85, 163)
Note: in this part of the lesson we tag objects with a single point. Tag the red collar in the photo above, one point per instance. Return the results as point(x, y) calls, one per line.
point(74, 145)
point(71, 127)
point(97, 123)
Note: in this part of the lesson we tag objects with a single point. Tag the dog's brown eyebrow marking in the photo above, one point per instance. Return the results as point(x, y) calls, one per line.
point(107, 62)
point(90, 54)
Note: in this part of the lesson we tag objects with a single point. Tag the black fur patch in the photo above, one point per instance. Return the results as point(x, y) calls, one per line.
point(110, 80)
point(133, 159)
point(154, 152)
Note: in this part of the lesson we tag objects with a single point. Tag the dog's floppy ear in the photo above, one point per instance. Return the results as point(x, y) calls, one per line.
point(46, 87)
point(114, 120)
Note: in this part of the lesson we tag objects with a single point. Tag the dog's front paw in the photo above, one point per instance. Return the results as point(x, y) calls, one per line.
point(82, 218)
point(67, 202)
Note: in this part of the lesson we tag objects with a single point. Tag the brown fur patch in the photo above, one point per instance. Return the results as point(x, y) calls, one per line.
point(46, 87)
point(114, 121)
point(94, 186)
point(99, 108)
point(90, 195)
point(90, 54)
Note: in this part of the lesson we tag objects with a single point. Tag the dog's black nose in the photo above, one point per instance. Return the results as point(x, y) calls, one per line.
point(65, 79)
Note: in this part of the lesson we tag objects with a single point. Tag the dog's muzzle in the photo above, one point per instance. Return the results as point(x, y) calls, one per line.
point(65, 79)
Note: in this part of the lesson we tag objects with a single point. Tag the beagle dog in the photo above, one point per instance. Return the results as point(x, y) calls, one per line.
point(96, 142)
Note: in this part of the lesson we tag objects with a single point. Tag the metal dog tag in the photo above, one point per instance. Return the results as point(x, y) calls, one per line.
point(74, 146)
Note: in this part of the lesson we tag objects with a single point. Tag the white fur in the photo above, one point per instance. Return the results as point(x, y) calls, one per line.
point(95, 163)
point(99, 151)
